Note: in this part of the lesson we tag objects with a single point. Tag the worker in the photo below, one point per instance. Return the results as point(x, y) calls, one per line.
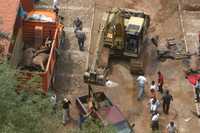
point(197, 90)
point(22, 13)
point(82, 118)
point(80, 35)
point(154, 105)
point(141, 84)
point(66, 110)
point(56, 10)
point(90, 104)
point(171, 127)
point(167, 98)
point(155, 121)
point(153, 89)
point(55, 4)
point(77, 24)
point(54, 102)
point(160, 82)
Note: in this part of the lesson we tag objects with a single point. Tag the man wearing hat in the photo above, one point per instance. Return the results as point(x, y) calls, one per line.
point(66, 113)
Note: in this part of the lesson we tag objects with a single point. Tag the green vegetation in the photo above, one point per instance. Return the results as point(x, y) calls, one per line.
point(92, 126)
point(24, 112)
point(96, 127)
point(27, 112)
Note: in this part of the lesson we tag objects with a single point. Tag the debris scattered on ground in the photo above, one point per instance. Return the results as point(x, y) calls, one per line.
point(192, 7)
point(174, 49)
point(188, 119)
point(110, 84)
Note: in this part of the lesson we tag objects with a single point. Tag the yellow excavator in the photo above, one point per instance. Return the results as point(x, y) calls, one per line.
point(122, 34)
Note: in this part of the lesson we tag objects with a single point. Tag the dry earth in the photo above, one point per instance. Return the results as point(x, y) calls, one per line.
point(166, 21)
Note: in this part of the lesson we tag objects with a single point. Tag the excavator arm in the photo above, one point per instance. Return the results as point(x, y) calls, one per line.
point(98, 69)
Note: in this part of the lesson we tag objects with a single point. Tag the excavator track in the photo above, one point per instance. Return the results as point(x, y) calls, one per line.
point(112, 35)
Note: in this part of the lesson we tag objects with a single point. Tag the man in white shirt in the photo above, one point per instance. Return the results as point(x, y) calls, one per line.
point(153, 89)
point(141, 83)
point(55, 4)
point(171, 127)
point(155, 121)
point(154, 105)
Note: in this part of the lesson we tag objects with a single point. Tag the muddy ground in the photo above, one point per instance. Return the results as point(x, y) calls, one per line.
point(168, 19)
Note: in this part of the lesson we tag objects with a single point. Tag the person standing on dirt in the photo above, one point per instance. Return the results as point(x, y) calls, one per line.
point(56, 10)
point(141, 84)
point(153, 89)
point(66, 110)
point(154, 105)
point(155, 121)
point(81, 37)
point(54, 102)
point(167, 98)
point(77, 24)
point(197, 90)
point(160, 82)
point(171, 127)
point(55, 4)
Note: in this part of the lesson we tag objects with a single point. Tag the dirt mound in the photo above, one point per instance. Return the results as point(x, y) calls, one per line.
point(125, 75)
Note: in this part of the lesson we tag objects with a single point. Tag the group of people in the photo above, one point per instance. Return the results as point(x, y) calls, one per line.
point(65, 105)
point(154, 103)
point(66, 108)
point(80, 35)
point(142, 80)
point(78, 26)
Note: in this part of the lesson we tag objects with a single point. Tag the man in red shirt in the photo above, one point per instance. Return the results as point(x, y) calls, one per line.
point(160, 82)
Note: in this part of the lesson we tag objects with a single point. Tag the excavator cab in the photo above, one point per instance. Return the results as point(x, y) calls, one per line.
point(125, 31)
point(122, 33)
point(134, 35)
point(131, 46)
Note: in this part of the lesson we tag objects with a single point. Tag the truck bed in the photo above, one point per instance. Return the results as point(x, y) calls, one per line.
point(100, 98)
point(33, 35)
point(106, 112)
